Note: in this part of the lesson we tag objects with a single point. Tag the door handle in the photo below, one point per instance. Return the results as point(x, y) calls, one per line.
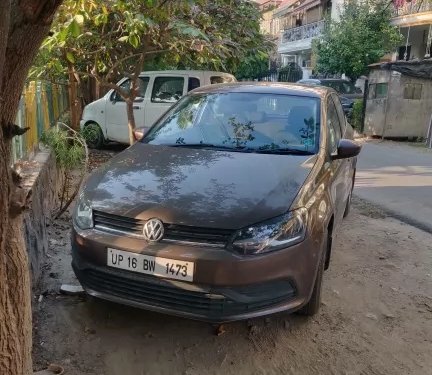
point(136, 107)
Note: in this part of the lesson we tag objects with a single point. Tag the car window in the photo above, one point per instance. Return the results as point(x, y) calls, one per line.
point(342, 87)
point(220, 79)
point(257, 122)
point(193, 83)
point(341, 114)
point(142, 82)
point(333, 127)
point(167, 89)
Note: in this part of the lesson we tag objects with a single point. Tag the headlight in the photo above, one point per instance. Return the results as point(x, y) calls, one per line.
point(271, 235)
point(84, 214)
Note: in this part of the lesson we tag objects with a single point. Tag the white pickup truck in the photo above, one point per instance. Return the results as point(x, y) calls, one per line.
point(158, 91)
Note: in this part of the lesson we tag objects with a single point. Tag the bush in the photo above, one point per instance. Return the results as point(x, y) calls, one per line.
point(356, 116)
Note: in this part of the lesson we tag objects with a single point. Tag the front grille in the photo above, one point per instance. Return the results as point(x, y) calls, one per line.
point(160, 293)
point(173, 232)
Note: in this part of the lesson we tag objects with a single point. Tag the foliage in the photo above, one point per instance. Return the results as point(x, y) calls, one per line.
point(71, 154)
point(105, 38)
point(109, 39)
point(361, 37)
point(252, 66)
point(357, 114)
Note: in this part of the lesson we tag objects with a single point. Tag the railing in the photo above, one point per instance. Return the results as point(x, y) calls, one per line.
point(412, 7)
point(310, 30)
point(40, 107)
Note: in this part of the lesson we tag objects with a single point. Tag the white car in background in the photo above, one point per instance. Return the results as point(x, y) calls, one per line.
point(158, 91)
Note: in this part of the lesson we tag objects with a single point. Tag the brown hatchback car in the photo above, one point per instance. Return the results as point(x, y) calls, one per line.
point(225, 209)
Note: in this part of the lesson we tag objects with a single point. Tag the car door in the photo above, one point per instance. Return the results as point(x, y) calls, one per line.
point(338, 167)
point(116, 115)
point(348, 165)
point(166, 90)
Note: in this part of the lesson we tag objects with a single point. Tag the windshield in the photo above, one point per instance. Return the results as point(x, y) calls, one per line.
point(342, 87)
point(244, 122)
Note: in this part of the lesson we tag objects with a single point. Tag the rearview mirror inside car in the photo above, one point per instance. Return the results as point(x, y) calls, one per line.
point(346, 149)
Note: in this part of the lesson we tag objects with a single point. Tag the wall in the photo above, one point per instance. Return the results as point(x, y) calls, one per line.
point(39, 175)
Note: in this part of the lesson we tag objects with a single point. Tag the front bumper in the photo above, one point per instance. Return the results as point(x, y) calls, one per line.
point(226, 287)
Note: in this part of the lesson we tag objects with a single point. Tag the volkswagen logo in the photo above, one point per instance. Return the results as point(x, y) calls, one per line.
point(153, 230)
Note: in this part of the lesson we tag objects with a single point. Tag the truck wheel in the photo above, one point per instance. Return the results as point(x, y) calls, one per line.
point(93, 135)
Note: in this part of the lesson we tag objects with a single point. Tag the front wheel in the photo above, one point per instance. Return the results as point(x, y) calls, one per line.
point(93, 135)
point(314, 303)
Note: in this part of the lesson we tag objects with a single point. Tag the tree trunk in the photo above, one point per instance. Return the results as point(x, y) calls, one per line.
point(23, 25)
point(73, 98)
point(131, 120)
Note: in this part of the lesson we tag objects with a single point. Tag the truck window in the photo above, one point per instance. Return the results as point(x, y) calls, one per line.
point(193, 83)
point(220, 79)
point(167, 89)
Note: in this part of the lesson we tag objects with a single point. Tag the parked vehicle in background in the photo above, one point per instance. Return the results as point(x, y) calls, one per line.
point(225, 209)
point(347, 91)
point(158, 91)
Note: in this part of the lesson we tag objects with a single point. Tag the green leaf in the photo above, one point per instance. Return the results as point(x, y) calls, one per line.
point(74, 28)
point(134, 40)
point(70, 57)
point(123, 38)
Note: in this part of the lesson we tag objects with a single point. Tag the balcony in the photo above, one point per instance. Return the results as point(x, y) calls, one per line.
point(413, 13)
point(299, 38)
point(413, 7)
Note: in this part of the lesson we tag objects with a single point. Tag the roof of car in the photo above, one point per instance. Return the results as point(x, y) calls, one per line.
point(265, 88)
point(183, 72)
point(324, 80)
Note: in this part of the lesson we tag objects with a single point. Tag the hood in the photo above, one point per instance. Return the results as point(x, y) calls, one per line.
point(197, 187)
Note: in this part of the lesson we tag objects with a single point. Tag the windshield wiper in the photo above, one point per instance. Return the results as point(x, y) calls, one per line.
point(283, 151)
point(206, 145)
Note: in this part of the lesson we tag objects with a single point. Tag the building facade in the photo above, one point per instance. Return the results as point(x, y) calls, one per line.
point(414, 19)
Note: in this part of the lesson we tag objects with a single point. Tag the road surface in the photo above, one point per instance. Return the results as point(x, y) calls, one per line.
point(398, 178)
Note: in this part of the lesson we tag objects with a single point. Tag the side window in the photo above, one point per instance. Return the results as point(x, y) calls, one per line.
point(193, 83)
point(333, 127)
point(220, 79)
point(167, 89)
point(142, 82)
point(341, 114)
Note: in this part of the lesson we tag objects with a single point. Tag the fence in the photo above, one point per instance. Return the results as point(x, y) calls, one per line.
point(40, 107)
point(290, 73)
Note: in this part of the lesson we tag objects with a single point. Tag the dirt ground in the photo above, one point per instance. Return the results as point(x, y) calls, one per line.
point(376, 318)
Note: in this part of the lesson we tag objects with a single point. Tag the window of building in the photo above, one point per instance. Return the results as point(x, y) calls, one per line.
point(167, 89)
point(378, 90)
point(413, 91)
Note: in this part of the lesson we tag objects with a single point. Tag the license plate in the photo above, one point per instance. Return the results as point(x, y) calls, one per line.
point(156, 266)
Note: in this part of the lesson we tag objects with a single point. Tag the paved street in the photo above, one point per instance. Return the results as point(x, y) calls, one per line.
point(398, 178)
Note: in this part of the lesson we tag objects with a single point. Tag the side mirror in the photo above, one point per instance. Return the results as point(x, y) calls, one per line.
point(346, 149)
point(139, 99)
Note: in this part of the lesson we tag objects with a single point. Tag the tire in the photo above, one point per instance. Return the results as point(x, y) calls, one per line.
point(314, 303)
point(348, 203)
point(93, 135)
